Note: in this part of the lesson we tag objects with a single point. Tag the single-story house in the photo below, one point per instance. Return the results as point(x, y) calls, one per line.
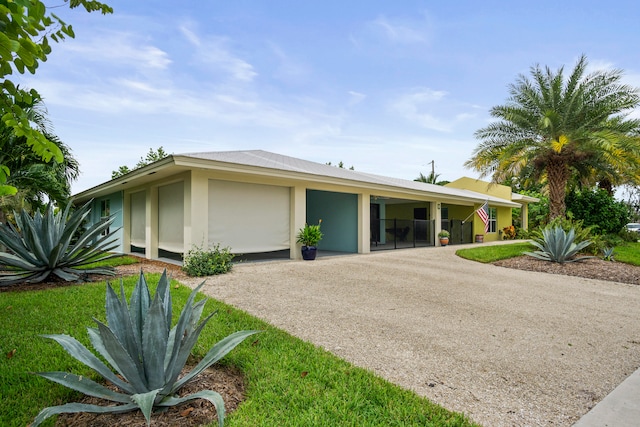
point(256, 201)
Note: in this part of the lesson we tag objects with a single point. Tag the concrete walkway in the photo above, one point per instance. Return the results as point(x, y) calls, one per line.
point(621, 408)
point(506, 347)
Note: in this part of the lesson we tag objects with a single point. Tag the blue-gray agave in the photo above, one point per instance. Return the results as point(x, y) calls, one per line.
point(44, 244)
point(557, 245)
point(141, 346)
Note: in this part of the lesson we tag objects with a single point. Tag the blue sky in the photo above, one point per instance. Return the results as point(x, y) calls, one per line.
point(383, 86)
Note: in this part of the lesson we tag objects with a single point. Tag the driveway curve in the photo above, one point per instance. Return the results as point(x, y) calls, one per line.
point(506, 347)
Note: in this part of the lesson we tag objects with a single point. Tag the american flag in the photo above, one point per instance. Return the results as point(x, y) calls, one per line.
point(483, 213)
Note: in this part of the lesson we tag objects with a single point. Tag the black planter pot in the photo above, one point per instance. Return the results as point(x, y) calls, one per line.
point(309, 253)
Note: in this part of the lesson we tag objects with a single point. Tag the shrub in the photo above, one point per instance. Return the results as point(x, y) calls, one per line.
point(199, 262)
point(521, 233)
point(144, 350)
point(598, 209)
point(48, 244)
point(557, 245)
point(509, 233)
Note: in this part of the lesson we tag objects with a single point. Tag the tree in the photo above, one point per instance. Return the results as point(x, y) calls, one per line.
point(152, 156)
point(27, 28)
point(557, 130)
point(36, 180)
point(432, 178)
point(340, 165)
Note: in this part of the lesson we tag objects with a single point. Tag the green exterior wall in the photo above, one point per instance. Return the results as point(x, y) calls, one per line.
point(116, 209)
point(339, 214)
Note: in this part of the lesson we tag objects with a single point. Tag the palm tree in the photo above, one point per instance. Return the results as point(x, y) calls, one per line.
point(429, 179)
point(35, 179)
point(558, 131)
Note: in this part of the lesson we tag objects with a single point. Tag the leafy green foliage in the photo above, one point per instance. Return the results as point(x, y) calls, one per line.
point(598, 209)
point(310, 235)
point(149, 355)
point(152, 156)
point(27, 29)
point(557, 245)
point(555, 130)
point(538, 212)
point(199, 262)
point(36, 180)
point(43, 245)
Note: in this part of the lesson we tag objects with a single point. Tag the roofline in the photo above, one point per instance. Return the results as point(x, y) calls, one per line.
point(114, 185)
point(182, 163)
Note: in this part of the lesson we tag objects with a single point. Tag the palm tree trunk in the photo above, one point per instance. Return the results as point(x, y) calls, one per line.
point(557, 178)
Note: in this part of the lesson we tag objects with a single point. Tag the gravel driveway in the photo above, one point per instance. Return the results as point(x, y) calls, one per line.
point(506, 347)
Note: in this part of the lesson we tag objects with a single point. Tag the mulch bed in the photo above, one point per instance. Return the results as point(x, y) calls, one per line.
point(592, 268)
point(227, 381)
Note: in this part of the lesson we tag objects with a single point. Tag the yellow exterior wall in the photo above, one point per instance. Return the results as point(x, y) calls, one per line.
point(404, 210)
point(496, 190)
point(484, 187)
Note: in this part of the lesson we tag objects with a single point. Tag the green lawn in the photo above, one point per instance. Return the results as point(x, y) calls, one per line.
point(332, 392)
point(113, 262)
point(491, 253)
point(628, 252)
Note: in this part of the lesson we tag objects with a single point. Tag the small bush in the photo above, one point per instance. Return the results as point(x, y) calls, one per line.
point(522, 234)
point(509, 233)
point(199, 262)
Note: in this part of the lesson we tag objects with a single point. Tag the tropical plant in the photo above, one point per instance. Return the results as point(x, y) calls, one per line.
point(444, 234)
point(149, 355)
point(27, 29)
point(310, 235)
point(35, 179)
point(45, 245)
point(608, 254)
point(558, 246)
point(432, 178)
point(553, 130)
point(199, 262)
point(509, 233)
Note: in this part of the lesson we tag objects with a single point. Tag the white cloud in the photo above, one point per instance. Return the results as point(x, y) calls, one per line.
point(214, 51)
point(288, 69)
point(399, 31)
point(418, 107)
point(356, 97)
point(121, 49)
point(433, 109)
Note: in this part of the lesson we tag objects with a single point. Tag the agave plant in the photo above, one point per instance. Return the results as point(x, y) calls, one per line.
point(45, 244)
point(608, 254)
point(557, 245)
point(145, 351)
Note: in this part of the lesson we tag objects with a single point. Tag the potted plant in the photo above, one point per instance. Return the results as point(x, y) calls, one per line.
point(444, 237)
point(309, 236)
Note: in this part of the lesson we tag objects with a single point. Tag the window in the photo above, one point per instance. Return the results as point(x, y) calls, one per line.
point(493, 219)
point(105, 211)
point(444, 218)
